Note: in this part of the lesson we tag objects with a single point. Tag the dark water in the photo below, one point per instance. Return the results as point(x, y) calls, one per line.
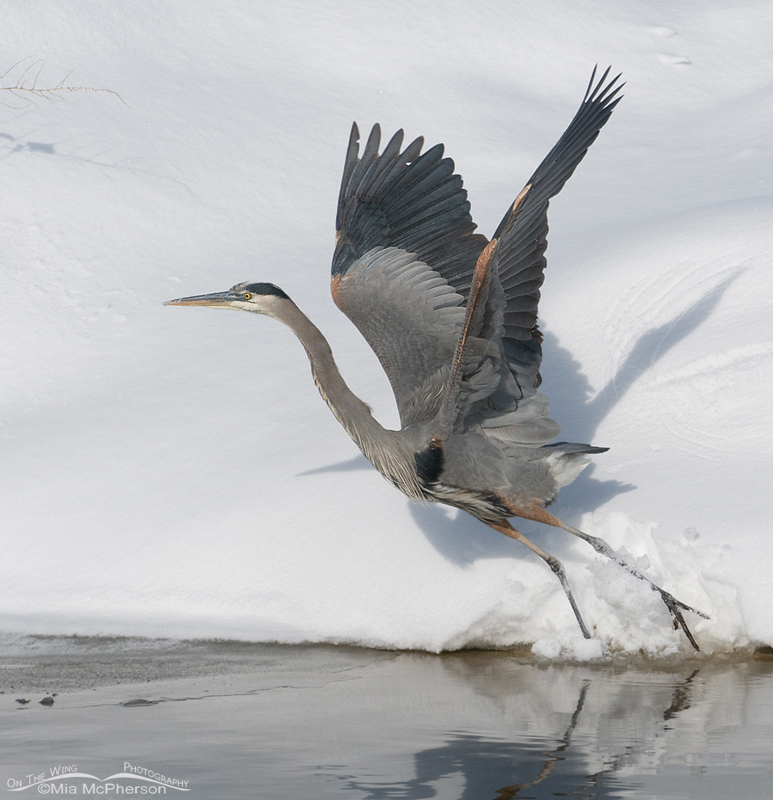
point(257, 721)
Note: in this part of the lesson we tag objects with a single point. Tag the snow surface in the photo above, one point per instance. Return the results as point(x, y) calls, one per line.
point(172, 472)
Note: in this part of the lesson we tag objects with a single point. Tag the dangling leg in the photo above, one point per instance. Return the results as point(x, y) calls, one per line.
point(675, 606)
point(554, 564)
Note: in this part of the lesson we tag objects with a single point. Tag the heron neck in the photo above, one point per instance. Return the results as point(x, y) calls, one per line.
point(384, 448)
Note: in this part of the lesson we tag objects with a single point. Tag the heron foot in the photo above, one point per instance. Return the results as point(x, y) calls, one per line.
point(539, 514)
point(676, 607)
point(672, 604)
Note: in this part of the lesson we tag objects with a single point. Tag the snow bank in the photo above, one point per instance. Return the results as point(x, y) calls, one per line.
point(174, 473)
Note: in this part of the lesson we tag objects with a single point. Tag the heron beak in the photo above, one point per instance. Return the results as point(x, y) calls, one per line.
point(215, 300)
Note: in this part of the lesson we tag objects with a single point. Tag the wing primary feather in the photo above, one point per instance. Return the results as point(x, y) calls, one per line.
point(428, 165)
point(411, 200)
point(386, 162)
point(352, 152)
point(366, 160)
point(559, 164)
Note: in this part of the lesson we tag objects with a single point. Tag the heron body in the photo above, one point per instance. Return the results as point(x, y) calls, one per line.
point(482, 473)
point(452, 318)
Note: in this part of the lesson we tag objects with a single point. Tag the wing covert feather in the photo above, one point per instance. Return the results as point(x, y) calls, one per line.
point(410, 317)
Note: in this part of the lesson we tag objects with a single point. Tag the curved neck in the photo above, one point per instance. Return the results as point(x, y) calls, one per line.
point(347, 408)
point(382, 447)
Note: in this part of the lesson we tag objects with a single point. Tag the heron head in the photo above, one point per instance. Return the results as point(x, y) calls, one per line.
point(260, 298)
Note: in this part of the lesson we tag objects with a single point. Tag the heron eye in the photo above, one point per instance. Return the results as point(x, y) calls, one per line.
point(247, 296)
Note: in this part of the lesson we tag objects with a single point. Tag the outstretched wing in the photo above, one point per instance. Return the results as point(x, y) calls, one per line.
point(519, 258)
point(404, 260)
point(403, 227)
point(494, 381)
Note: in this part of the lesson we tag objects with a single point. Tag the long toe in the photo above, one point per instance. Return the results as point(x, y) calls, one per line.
point(675, 606)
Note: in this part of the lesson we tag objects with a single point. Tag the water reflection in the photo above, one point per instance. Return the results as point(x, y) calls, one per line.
point(628, 729)
point(290, 722)
point(485, 764)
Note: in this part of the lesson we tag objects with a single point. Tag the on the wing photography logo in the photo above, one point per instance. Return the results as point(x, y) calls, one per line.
point(69, 780)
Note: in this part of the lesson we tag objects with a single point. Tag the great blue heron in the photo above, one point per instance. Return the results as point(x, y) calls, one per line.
point(452, 318)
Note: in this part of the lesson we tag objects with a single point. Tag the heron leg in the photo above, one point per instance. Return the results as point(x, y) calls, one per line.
point(554, 564)
point(674, 606)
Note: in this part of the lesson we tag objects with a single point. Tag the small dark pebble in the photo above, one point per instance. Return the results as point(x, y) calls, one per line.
point(22, 701)
point(47, 701)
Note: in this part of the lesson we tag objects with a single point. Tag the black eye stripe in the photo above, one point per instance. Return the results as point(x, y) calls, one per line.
point(265, 289)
